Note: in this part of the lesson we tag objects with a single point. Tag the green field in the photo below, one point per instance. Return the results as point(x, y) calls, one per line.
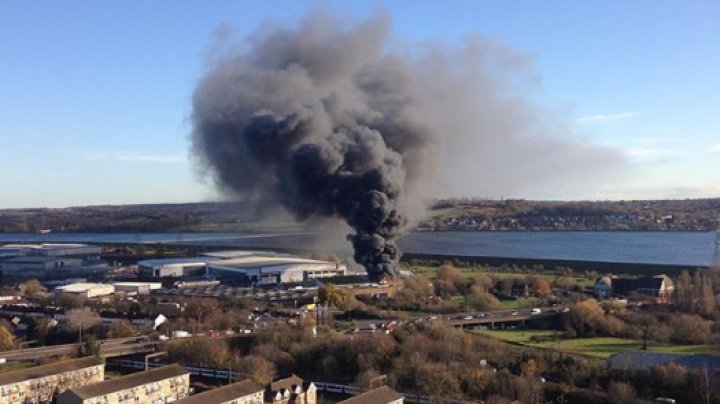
point(597, 346)
point(430, 272)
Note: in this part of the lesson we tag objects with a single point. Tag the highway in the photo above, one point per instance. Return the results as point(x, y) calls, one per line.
point(490, 318)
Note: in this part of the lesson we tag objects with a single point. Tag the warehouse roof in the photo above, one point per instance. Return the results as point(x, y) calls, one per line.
point(37, 372)
point(83, 287)
point(128, 382)
point(223, 394)
point(255, 261)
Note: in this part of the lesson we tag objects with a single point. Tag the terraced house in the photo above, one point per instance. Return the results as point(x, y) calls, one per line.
point(40, 384)
point(162, 385)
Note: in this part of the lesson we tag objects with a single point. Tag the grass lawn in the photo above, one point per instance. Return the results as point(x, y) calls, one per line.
point(597, 346)
point(430, 272)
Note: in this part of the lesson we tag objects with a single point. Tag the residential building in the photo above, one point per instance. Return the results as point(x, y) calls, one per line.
point(161, 385)
point(380, 395)
point(659, 287)
point(603, 287)
point(40, 384)
point(244, 392)
point(291, 390)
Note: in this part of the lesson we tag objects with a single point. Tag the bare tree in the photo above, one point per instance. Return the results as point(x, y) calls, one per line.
point(82, 319)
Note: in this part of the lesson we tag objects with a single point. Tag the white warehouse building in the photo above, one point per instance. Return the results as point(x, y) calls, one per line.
point(172, 267)
point(88, 290)
point(274, 269)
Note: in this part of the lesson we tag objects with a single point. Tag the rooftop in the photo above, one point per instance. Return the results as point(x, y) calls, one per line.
point(128, 382)
point(82, 287)
point(37, 372)
point(286, 383)
point(175, 261)
point(225, 393)
point(268, 261)
point(379, 395)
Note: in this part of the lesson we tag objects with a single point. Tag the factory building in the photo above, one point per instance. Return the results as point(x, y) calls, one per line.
point(136, 288)
point(250, 267)
point(274, 270)
point(88, 290)
point(39, 384)
point(50, 260)
point(38, 263)
point(172, 267)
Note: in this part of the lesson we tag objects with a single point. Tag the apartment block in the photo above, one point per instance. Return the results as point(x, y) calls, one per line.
point(162, 385)
point(40, 384)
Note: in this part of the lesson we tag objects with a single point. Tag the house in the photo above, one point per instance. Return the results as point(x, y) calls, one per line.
point(40, 384)
point(165, 384)
point(244, 392)
point(659, 287)
point(380, 395)
point(291, 390)
point(603, 287)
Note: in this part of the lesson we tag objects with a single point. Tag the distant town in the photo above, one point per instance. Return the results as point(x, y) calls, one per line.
point(442, 215)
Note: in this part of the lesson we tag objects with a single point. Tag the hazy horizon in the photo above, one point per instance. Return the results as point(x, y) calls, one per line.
point(98, 96)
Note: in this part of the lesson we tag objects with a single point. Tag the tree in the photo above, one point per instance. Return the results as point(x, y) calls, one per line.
point(199, 309)
point(450, 280)
point(82, 319)
point(121, 329)
point(31, 288)
point(334, 296)
point(541, 287)
point(7, 339)
point(259, 369)
point(415, 291)
point(621, 393)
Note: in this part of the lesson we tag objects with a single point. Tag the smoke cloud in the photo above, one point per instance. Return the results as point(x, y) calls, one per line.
point(325, 121)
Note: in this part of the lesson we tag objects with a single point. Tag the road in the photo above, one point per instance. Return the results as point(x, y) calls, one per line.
point(108, 347)
point(470, 319)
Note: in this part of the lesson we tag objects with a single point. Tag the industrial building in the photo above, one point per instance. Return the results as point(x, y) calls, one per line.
point(172, 267)
point(49, 260)
point(161, 385)
point(38, 263)
point(50, 250)
point(39, 384)
point(136, 288)
point(274, 270)
point(88, 290)
point(250, 267)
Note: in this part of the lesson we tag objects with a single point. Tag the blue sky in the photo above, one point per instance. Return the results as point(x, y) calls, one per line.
point(95, 96)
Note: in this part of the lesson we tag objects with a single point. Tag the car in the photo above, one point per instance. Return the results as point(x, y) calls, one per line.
point(535, 311)
point(468, 318)
point(514, 313)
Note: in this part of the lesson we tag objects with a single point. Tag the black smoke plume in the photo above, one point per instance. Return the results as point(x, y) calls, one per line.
point(309, 118)
point(330, 119)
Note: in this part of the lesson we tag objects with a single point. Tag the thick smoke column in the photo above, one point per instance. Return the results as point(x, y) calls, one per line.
point(323, 120)
point(310, 119)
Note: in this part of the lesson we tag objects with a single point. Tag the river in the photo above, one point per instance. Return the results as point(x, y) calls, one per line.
point(672, 248)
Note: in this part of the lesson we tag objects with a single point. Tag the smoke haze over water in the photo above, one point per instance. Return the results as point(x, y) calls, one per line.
point(323, 120)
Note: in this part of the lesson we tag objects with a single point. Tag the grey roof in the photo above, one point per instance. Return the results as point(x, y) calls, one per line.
point(34, 259)
point(380, 395)
point(225, 393)
point(37, 372)
point(128, 382)
point(644, 360)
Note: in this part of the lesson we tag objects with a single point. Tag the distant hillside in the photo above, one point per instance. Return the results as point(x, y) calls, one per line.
point(648, 215)
point(452, 214)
